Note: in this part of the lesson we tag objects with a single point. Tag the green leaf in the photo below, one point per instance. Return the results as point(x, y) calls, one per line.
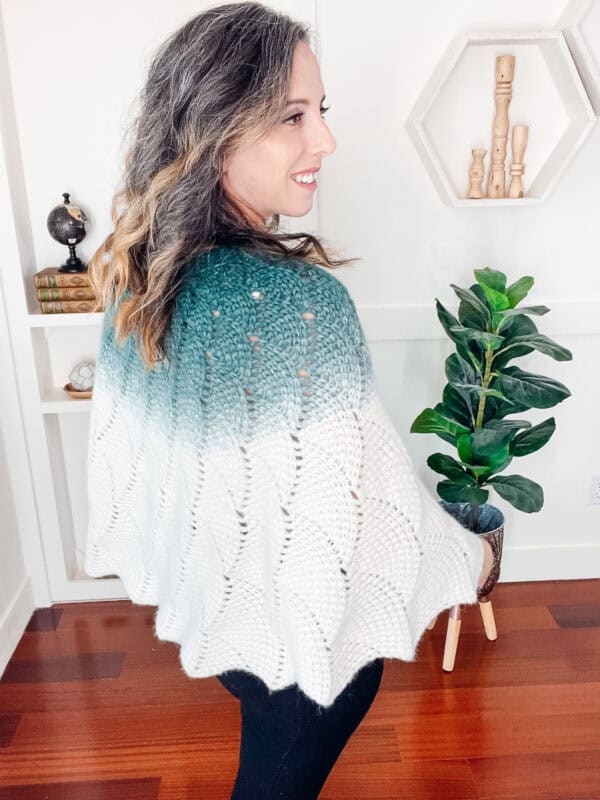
point(520, 326)
point(522, 493)
point(496, 454)
point(518, 290)
point(474, 304)
point(471, 317)
point(502, 319)
point(429, 421)
point(439, 407)
point(490, 446)
point(448, 466)
point(531, 440)
point(458, 370)
point(496, 300)
point(488, 340)
point(457, 493)
point(446, 318)
point(448, 321)
point(508, 424)
point(492, 278)
point(479, 471)
point(497, 409)
point(542, 343)
point(485, 451)
point(466, 353)
point(455, 406)
point(486, 441)
point(463, 444)
point(530, 389)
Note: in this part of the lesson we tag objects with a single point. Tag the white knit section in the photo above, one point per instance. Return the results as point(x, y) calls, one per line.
point(300, 558)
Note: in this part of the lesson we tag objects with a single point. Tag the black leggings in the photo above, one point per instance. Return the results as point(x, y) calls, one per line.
point(289, 743)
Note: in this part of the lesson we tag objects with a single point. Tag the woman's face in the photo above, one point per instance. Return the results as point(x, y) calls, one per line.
point(259, 176)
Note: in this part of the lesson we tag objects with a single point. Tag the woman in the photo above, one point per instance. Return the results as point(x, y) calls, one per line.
point(243, 475)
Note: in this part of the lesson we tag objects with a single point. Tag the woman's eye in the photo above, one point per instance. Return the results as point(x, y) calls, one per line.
point(300, 114)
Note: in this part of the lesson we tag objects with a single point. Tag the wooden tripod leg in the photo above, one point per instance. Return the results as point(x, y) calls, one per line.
point(452, 636)
point(489, 621)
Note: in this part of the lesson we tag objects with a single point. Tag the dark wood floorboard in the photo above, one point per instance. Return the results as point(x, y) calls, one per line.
point(94, 706)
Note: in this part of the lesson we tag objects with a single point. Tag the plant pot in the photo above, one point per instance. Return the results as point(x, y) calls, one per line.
point(490, 525)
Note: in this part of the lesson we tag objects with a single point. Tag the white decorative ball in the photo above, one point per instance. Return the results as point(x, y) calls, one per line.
point(82, 376)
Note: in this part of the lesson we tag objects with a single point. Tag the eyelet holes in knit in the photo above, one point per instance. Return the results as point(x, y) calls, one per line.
point(257, 295)
point(216, 313)
point(252, 337)
point(303, 373)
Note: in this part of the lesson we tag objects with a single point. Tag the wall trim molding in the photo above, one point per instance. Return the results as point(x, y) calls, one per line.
point(14, 621)
point(395, 321)
point(548, 562)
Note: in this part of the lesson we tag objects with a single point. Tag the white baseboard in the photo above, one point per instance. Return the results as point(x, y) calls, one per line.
point(14, 621)
point(550, 562)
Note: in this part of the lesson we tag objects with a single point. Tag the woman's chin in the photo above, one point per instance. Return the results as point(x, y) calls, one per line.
point(297, 209)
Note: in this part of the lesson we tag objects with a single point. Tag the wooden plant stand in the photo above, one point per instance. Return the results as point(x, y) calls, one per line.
point(453, 630)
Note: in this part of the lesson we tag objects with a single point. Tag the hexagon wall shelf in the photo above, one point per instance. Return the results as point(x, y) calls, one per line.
point(580, 24)
point(455, 112)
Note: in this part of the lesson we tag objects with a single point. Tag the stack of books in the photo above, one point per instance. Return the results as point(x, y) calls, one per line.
point(64, 292)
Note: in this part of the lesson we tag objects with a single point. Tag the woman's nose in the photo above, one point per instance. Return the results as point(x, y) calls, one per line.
point(325, 143)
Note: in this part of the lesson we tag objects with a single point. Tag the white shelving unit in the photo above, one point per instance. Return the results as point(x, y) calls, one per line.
point(59, 433)
point(455, 112)
point(580, 24)
point(39, 320)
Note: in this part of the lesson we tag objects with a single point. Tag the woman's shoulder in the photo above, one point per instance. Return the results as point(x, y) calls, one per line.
point(230, 269)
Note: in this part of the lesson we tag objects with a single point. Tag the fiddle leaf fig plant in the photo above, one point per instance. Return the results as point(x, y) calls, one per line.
point(483, 388)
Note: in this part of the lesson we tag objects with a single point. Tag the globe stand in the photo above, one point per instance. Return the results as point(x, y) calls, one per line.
point(73, 262)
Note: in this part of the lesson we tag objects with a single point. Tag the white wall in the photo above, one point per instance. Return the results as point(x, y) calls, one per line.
point(75, 70)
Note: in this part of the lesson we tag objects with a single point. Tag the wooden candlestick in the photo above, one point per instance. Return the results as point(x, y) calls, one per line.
point(505, 69)
point(476, 174)
point(517, 168)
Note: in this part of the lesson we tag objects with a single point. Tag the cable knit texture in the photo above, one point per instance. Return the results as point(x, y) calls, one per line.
point(254, 489)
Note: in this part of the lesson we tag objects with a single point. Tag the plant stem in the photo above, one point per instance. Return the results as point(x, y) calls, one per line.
point(489, 357)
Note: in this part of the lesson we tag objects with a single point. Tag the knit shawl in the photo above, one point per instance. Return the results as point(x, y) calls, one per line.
point(253, 488)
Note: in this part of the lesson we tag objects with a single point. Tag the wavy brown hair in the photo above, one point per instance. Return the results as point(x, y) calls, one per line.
point(221, 78)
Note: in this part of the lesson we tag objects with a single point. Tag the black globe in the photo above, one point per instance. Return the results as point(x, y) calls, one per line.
point(66, 223)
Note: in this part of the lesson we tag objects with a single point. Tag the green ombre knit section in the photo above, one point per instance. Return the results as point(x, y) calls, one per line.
point(256, 344)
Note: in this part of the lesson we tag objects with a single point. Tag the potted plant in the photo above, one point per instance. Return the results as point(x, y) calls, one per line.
point(483, 388)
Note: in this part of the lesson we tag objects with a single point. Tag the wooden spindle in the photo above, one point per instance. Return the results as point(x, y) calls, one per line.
point(505, 68)
point(517, 168)
point(476, 174)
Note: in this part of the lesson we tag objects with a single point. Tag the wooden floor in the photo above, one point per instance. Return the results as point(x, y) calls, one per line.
point(93, 706)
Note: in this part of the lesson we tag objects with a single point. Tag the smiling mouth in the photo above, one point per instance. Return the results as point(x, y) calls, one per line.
point(308, 184)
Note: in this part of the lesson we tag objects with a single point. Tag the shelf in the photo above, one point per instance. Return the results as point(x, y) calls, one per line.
point(580, 24)
point(39, 320)
point(57, 401)
point(82, 587)
point(455, 112)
